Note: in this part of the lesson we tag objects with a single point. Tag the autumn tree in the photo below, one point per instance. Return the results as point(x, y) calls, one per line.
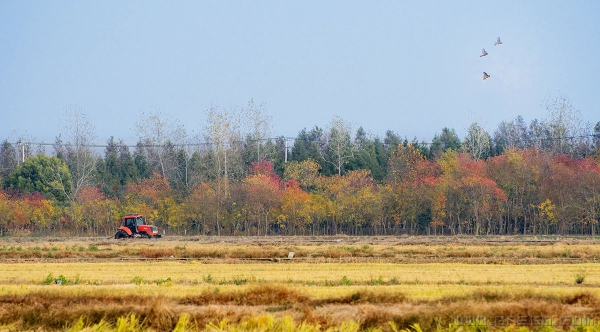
point(408, 180)
point(158, 137)
point(483, 198)
point(587, 188)
point(93, 212)
point(519, 174)
point(511, 135)
point(353, 199)
point(6, 212)
point(305, 173)
point(477, 143)
point(223, 159)
point(337, 148)
point(365, 205)
point(559, 187)
point(295, 211)
point(35, 211)
point(474, 199)
point(258, 126)
point(567, 131)
point(224, 134)
point(262, 194)
point(403, 164)
point(154, 198)
point(200, 209)
point(76, 150)
point(449, 186)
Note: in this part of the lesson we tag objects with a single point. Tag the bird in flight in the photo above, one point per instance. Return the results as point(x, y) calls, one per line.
point(483, 52)
point(498, 42)
point(485, 76)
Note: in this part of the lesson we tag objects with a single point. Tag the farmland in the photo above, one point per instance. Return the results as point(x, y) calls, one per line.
point(329, 282)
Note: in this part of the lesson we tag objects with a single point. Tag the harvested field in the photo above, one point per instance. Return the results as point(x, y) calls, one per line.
point(477, 250)
point(56, 284)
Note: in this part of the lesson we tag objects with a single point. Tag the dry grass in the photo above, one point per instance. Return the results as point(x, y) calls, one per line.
point(327, 284)
point(56, 310)
point(496, 250)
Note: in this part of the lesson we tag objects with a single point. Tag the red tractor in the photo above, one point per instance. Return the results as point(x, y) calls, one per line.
point(135, 224)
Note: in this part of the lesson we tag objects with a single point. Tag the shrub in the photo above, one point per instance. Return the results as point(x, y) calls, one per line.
point(137, 280)
point(346, 281)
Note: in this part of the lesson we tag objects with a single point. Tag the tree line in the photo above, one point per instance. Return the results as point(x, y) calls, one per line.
point(541, 178)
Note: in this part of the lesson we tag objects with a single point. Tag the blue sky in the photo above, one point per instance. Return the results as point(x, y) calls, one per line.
point(412, 67)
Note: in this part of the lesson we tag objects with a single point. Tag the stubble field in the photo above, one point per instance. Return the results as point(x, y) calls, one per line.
point(336, 283)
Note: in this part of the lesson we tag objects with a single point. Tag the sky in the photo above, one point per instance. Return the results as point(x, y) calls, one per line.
point(412, 67)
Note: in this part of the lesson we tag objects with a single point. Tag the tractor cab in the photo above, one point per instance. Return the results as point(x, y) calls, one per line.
point(132, 222)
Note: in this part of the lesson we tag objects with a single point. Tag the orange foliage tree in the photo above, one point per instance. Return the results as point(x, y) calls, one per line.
point(295, 210)
point(474, 203)
point(588, 193)
point(518, 173)
point(97, 212)
point(410, 179)
point(152, 197)
point(262, 192)
point(199, 208)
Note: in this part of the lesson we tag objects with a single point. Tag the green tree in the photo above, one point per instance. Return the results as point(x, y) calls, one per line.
point(47, 175)
point(108, 171)
point(369, 154)
point(447, 140)
point(141, 162)
point(305, 146)
point(126, 164)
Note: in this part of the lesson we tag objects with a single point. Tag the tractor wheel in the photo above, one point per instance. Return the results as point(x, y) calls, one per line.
point(121, 235)
point(145, 235)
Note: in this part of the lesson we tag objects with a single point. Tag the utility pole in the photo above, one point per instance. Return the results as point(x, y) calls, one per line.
point(22, 144)
point(286, 148)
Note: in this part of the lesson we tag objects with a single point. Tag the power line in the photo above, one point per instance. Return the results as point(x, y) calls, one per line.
point(283, 139)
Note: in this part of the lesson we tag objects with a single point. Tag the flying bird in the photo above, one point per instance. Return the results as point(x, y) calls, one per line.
point(483, 52)
point(498, 42)
point(485, 76)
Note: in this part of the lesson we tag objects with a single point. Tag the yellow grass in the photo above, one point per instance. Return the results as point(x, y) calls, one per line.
point(317, 280)
point(327, 284)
